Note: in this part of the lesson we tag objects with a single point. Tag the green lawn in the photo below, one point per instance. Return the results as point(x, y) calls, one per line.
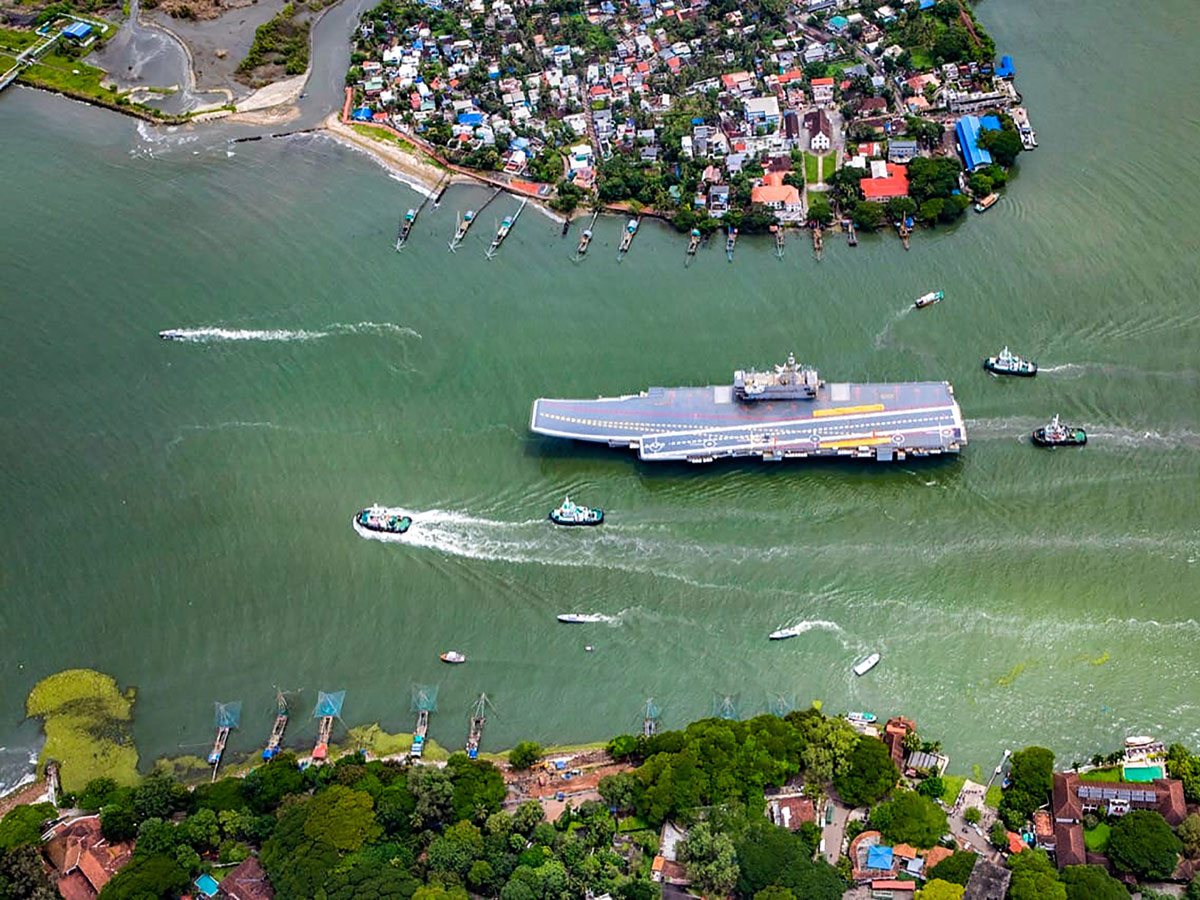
point(953, 787)
point(829, 166)
point(6, 63)
point(992, 798)
point(811, 172)
point(921, 58)
point(1103, 775)
point(11, 39)
point(59, 73)
point(1096, 839)
point(384, 136)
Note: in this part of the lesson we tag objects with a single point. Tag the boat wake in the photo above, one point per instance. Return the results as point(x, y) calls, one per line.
point(217, 334)
point(806, 625)
point(885, 332)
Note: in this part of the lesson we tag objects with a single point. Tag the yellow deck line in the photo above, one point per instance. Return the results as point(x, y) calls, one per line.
point(847, 410)
point(855, 442)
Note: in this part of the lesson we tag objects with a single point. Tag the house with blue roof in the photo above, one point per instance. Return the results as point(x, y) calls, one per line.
point(880, 857)
point(77, 30)
point(1005, 69)
point(967, 130)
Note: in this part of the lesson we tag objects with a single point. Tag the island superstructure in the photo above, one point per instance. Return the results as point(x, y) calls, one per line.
point(789, 413)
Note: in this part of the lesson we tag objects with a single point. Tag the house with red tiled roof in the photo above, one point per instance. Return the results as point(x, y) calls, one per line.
point(784, 200)
point(897, 727)
point(247, 882)
point(888, 180)
point(790, 811)
point(83, 860)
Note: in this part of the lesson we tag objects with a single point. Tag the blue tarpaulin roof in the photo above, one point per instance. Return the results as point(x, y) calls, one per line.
point(1005, 69)
point(78, 30)
point(967, 130)
point(362, 114)
point(879, 857)
point(470, 118)
point(925, 4)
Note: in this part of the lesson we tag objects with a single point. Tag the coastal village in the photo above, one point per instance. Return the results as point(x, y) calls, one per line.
point(798, 806)
point(711, 115)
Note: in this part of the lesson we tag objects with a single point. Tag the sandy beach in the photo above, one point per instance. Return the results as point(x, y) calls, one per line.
point(413, 168)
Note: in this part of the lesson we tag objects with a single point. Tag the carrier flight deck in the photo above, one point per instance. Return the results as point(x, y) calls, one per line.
point(785, 414)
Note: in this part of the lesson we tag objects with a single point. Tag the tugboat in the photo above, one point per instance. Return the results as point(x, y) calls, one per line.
point(928, 299)
point(453, 657)
point(570, 514)
point(384, 520)
point(1006, 363)
point(1055, 434)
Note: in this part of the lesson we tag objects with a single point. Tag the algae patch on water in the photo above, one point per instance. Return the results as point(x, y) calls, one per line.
point(86, 719)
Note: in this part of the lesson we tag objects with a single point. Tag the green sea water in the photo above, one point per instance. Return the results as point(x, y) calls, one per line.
point(178, 513)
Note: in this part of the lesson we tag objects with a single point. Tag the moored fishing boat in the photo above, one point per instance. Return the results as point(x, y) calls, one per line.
point(383, 520)
point(571, 514)
point(1056, 434)
point(453, 657)
point(986, 203)
point(860, 718)
point(928, 299)
point(1008, 363)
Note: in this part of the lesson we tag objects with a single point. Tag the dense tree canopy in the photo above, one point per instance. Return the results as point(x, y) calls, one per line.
point(870, 774)
point(771, 856)
point(23, 825)
point(1142, 842)
point(1092, 883)
point(1034, 877)
point(146, 877)
point(936, 889)
point(910, 818)
point(955, 868)
point(1189, 835)
point(524, 755)
point(23, 876)
point(1031, 776)
point(1004, 145)
point(709, 860)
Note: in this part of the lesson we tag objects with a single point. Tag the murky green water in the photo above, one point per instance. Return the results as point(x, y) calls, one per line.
point(178, 514)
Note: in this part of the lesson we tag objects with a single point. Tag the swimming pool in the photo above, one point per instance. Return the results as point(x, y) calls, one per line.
point(1142, 773)
point(207, 885)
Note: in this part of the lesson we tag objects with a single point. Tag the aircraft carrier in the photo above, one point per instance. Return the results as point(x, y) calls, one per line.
point(788, 413)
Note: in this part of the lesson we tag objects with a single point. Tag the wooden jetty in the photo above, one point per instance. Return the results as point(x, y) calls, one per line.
point(851, 235)
point(460, 231)
point(418, 743)
point(730, 242)
point(779, 240)
point(475, 731)
point(818, 241)
point(650, 719)
point(226, 717)
point(585, 238)
point(505, 228)
point(631, 228)
point(275, 741)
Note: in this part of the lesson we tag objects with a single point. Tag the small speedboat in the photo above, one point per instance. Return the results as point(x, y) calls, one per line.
point(1008, 363)
point(453, 656)
point(784, 633)
point(863, 666)
point(581, 618)
point(1055, 434)
point(860, 718)
point(928, 299)
point(384, 520)
point(571, 514)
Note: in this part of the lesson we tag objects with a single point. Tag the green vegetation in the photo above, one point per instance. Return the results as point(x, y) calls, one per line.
point(22, 825)
point(1141, 842)
point(910, 818)
point(23, 876)
point(1103, 775)
point(524, 755)
point(1096, 839)
point(1004, 145)
point(812, 172)
point(1031, 776)
point(955, 868)
point(819, 210)
point(972, 815)
point(384, 136)
point(280, 41)
point(12, 39)
point(86, 720)
point(6, 63)
point(1182, 765)
point(828, 166)
point(1188, 833)
point(870, 775)
point(1092, 883)
point(770, 857)
point(993, 796)
point(1034, 877)
point(952, 786)
point(940, 890)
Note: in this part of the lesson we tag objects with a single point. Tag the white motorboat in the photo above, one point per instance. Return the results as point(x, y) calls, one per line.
point(862, 667)
point(582, 618)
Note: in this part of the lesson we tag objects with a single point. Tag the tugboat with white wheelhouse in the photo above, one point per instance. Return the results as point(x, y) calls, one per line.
point(572, 514)
point(1055, 434)
point(1008, 363)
